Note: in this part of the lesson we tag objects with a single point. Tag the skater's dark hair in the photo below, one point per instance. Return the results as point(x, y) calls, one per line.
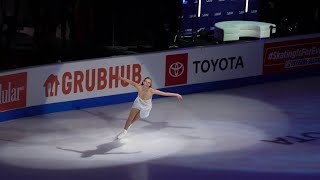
point(146, 79)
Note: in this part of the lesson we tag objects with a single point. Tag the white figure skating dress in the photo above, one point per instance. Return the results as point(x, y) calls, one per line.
point(144, 106)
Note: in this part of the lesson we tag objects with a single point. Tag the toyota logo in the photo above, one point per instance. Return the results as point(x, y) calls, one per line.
point(176, 69)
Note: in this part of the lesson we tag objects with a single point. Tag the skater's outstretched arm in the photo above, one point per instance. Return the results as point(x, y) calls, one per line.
point(136, 85)
point(158, 92)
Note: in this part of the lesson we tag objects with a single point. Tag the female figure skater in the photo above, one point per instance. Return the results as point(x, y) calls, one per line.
point(142, 104)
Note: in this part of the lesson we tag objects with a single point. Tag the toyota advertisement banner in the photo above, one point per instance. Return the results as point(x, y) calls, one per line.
point(208, 64)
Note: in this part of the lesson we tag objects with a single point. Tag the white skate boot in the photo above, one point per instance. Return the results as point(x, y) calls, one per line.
point(122, 134)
